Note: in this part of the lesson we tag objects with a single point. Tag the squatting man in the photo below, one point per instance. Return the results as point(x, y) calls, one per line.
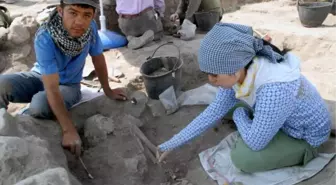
point(52, 87)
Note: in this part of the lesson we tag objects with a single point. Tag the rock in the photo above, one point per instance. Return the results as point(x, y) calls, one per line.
point(18, 33)
point(96, 129)
point(136, 165)
point(28, 22)
point(3, 36)
point(12, 147)
point(129, 119)
point(22, 52)
point(8, 126)
point(55, 176)
point(13, 151)
point(25, 160)
point(136, 109)
point(156, 108)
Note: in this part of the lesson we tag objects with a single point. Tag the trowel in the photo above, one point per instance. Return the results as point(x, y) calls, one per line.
point(67, 152)
point(87, 171)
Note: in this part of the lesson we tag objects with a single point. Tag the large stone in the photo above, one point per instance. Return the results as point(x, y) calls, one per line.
point(29, 22)
point(8, 126)
point(96, 129)
point(55, 176)
point(18, 32)
point(22, 52)
point(136, 109)
point(12, 147)
point(13, 151)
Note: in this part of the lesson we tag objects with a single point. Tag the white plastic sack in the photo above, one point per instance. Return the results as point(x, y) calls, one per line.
point(187, 31)
point(203, 95)
point(216, 162)
point(169, 101)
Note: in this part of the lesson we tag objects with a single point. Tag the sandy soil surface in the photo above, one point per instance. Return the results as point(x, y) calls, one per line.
point(315, 46)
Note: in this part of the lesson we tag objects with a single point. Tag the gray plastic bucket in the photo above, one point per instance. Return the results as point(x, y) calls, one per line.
point(333, 7)
point(206, 20)
point(157, 84)
point(313, 14)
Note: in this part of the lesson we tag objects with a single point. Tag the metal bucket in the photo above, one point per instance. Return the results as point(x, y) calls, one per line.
point(156, 84)
point(313, 14)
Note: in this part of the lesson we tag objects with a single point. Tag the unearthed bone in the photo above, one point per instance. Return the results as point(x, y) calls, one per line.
point(150, 155)
point(143, 138)
point(182, 182)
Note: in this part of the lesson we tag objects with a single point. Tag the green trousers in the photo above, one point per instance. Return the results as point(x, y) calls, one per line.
point(281, 151)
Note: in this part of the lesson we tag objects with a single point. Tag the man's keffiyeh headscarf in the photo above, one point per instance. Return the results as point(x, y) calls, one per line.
point(68, 45)
point(227, 48)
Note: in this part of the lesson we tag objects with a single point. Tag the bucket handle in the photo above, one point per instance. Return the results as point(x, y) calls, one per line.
point(171, 43)
point(298, 4)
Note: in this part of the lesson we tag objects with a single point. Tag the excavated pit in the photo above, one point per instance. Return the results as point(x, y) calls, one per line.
point(122, 159)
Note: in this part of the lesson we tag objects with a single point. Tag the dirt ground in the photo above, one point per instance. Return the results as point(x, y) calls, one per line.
point(315, 46)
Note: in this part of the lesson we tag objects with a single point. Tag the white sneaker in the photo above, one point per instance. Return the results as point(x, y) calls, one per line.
point(138, 42)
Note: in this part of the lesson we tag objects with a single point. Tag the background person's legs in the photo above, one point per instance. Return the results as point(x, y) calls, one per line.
point(39, 106)
point(19, 87)
point(282, 151)
point(191, 19)
point(153, 22)
point(137, 29)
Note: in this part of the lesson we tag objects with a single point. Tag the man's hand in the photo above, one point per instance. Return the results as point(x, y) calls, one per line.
point(174, 17)
point(161, 155)
point(71, 139)
point(116, 94)
point(72, 142)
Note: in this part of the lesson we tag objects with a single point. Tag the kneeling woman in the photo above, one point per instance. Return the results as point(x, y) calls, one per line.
point(284, 120)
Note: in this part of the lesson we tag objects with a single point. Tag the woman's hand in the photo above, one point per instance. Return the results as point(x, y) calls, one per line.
point(161, 155)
